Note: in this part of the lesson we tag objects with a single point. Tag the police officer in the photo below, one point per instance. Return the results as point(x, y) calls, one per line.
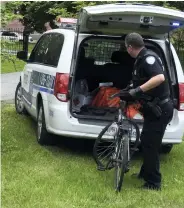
point(151, 88)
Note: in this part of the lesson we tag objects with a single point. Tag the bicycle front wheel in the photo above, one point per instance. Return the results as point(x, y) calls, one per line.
point(121, 161)
point(103, 149)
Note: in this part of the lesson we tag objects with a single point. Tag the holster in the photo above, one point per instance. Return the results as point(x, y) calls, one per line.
point(155, 109)
point(153, 106)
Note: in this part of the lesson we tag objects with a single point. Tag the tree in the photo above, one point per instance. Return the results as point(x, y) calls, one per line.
point(35, 14)
point(6, 56)
point(177, 39)
point(9, 11)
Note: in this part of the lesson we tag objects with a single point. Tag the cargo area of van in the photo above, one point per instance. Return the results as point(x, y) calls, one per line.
point(104, 67)
point(101, 60)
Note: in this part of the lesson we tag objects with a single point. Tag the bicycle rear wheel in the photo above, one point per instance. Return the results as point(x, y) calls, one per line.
point(121, 161)
point(103, 150)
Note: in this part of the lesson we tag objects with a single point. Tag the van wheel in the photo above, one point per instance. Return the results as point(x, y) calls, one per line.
point(166, 148)
point(43, 137)
point(19, 104)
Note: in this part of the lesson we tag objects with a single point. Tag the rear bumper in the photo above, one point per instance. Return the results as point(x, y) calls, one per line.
point(61, 122)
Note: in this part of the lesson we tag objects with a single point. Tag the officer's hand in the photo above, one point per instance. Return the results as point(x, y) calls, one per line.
point(124, 93)
point(136, 93)
point(125, 96)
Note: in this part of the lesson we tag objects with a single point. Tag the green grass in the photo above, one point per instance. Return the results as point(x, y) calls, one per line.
point(66, 177)
point(30, 47)
point(8, 66)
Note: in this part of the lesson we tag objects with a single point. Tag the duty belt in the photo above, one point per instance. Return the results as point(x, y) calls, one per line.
point(155, 106)
point(164, 101)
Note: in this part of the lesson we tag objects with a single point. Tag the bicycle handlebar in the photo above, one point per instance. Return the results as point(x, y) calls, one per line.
point(120, 94)
point(125, 95)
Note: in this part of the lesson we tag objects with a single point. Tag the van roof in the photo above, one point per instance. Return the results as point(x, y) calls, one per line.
point(63, 31)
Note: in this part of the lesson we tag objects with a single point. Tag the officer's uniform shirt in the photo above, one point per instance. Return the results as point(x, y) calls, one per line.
point(147, 68)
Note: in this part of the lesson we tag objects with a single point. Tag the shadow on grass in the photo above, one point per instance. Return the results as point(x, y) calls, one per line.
point(80, 146)
point(75, 146)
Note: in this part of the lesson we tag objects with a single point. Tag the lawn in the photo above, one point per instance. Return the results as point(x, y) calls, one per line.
point(65, 176)
point(7, 66)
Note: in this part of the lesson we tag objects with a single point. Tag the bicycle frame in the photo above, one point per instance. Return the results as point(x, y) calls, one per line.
point(117, 153)
point(120, 131)
point(121, 117)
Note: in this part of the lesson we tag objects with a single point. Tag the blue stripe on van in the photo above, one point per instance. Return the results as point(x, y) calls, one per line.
point(43, 89)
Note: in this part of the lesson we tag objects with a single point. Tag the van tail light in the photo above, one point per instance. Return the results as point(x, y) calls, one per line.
point(61, 87)
point(181, 96)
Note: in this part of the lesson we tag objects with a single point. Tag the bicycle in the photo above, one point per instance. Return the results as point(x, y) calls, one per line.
point(115, 152)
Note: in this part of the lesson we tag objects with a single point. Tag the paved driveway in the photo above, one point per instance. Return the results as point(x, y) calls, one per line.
point(8, 85)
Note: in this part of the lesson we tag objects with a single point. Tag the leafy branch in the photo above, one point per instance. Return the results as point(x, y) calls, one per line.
point(5, 55)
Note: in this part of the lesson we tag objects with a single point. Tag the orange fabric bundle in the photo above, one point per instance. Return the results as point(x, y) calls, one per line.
point(133, 110)
point(102, 98)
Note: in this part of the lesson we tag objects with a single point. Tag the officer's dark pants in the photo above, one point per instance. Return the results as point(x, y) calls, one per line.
point(151, 140)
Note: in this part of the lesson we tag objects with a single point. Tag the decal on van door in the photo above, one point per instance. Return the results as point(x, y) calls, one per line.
point(38, 81)
point(43, 82)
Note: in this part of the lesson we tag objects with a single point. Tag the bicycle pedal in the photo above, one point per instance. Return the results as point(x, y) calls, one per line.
point(127, 169)
point(100, 168)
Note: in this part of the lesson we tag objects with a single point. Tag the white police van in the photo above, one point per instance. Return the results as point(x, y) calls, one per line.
point(64, 59)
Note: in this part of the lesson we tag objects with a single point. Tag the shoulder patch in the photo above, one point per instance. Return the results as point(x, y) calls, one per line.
point(150, 60)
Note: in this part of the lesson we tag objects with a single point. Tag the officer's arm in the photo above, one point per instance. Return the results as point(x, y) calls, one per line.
point(153, 82)
point(153, 70)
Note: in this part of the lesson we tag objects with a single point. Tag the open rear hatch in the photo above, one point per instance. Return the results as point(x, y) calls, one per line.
point(120, 19)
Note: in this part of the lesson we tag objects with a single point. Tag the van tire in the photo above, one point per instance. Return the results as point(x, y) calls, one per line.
point(43, 137)
point(19, 105)
point(166, 148)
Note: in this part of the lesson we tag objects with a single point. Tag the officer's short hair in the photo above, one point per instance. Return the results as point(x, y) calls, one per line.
point(135, 40)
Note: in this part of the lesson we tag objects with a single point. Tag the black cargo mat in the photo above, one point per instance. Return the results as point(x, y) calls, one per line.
point(100, 113)
point(106, 112)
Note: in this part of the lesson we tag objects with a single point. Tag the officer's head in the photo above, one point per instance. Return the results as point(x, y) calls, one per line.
point(134, 44)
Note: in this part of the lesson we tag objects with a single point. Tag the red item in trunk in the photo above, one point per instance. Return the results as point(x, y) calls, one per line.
point(102, 99)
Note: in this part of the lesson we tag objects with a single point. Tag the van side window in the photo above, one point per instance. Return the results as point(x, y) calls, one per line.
point(54, 49)
point(38, 53)
point(48, 50)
